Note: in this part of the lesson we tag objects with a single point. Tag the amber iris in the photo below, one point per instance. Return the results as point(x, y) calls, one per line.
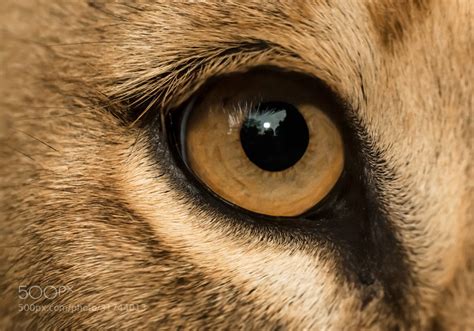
point(263, 141)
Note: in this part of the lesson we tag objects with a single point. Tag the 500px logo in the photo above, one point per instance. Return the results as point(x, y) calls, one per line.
point(37, 292)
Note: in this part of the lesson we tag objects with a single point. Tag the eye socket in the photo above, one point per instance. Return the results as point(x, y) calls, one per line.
point(262, 141)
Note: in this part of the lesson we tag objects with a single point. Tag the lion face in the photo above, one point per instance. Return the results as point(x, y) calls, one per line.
point(237, 165)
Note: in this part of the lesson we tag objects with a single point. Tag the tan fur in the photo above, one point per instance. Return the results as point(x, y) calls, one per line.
point(84, 204)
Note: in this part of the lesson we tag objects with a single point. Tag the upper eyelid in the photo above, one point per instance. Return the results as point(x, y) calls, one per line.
point(164, 90)
point(179, 93)
point(189, 72)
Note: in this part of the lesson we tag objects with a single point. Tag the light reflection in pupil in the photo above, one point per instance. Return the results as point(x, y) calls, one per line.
point(274, 135)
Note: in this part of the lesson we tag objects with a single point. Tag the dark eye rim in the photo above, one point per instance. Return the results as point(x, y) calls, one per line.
point(172, 124)
point(354, 226)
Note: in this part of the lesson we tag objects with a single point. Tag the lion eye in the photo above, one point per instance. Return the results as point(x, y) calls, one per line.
point(262, 141)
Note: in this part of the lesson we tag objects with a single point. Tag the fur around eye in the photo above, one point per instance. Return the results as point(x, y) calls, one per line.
point(116, 214)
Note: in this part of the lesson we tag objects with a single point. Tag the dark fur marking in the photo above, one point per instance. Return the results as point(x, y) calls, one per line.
point(350, 222)
point(395, 19)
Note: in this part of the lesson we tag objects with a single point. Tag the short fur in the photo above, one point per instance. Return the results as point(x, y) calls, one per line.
point(84, 204)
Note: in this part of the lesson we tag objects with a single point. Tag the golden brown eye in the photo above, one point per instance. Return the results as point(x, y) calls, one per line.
point(264, 142)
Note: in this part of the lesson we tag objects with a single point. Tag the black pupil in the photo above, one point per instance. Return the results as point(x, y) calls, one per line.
point(274, 135)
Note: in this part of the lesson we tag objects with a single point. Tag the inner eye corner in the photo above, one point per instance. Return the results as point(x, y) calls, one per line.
point(273, 137)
